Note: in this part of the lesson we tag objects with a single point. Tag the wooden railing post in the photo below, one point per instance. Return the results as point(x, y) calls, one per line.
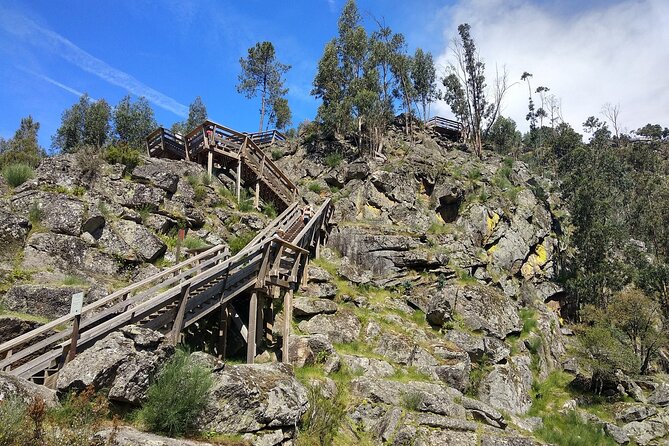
point(253, 321)
point(178, 324)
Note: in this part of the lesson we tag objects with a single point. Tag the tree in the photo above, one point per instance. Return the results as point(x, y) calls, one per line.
point(612, 112)
point(503, 135)
point(652, 131)
point(24, 146)
point(85, 123)
point(424, 77)
point(466, 89)
point(197, 114)
point(401, 65)
point(280, 114)
point(328, 86)
point(531, 115)
point(262, 75)
point(133, 121)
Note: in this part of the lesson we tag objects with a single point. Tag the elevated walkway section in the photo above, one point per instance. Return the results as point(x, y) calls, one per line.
point(214, 145)
point(445, 127)
point(242, 292)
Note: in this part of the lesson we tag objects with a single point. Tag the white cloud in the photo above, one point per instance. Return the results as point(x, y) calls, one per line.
point(54, 82)
point(615, 53)
point(59, 45)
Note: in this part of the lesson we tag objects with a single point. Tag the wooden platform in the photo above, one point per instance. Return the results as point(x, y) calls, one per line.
point(214, 145)
point(445, 127)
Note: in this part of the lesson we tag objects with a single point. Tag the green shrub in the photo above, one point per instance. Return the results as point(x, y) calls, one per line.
point(245, 203)
point(315, 187)
point(334, 159)
point(412, 400)
point(193, 180)
point(200, 192)
point(322, 420)
point(270, 210)
point(238, 242)
point(17, 174)
point(78, 191)
point(73, 280)
point(176, 398)
point(144, 212)
point(205, 179)
point(35, 214)
point(474, 174)
point(194, 243)
point(277, 154)
point(14, 421)
point(122, 154)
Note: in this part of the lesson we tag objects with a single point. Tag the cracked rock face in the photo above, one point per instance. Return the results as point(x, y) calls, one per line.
point(125, 362)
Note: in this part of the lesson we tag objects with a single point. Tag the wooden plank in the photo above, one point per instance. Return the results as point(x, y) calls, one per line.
point(287, 320)
point(253, 320)
point(179, 320)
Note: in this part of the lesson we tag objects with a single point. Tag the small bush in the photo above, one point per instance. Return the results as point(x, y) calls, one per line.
point(205, 179)
point(123, 154)
point(193, 180)
point(73, 281)
point(78, 191)
point(88, 159)
point(194, 243)
point(245, 203)
point(412, 400)
point(177, 396)
point(17, 174)
point(277, 154)
point(144, 212)
point(35, 214)
point(270, 210)
point(315, 187)
point(14, 420)
point(322, 420)
point(238, 242)
point(334, 159)
point(474, 174)
point(200, 192)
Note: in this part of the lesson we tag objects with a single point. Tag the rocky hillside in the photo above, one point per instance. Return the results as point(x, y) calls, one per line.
point(431, 317)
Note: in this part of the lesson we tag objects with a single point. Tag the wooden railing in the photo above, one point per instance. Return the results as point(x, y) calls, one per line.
point(163, 139)
point(267, 138)
point(447, 124)
point(174, 298)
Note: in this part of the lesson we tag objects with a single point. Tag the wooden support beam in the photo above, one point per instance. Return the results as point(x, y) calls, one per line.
point(237, 320)
point(251, 339)
point(238, 180)
point(223, 331)
point(287, 319)
point(178, 324)
point(256, 199)
point(260, 320)
point(210, 163)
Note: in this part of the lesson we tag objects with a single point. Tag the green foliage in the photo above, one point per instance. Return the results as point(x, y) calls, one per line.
point(270, 210)
point(133, 122)
point(86, 123)
point(529, 318)
point(262, 75)
point(17, 174)
point(315, 187)
point(177, 396)
point(503, 136)
point(277, 154)
point(122, 154)
point(238, 242)
point(333, 159)
point(197, 114)
point(191, 242)
point(88, 159)
point(24, 147)
point(571, 430)
point(144, 212)
point(322, 420)
point(70, 280)
point(424, 77)
point(412, 400)
point(14, 420)
point(200, 192)
point(245, 203)
point(474, 174)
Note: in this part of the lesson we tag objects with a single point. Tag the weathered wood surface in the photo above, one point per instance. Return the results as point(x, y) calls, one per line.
point(177, 297)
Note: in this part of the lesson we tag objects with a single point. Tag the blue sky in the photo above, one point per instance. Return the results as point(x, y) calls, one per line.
point(168, 51)
point(172, 51)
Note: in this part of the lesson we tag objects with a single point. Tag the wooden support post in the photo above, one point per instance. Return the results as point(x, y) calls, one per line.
point(180, 238)
point(260, 321)
point(178, 324)
point(223, 331)
point(269, 323)
point(317, 254)
point(305, 272)
point(256, 199)
point(238, 179)
point(287, 319)
point(251, 339)
point(210, 163)
point(75, 338)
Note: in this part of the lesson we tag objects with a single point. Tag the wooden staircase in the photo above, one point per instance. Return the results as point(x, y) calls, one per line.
point(269, 268)
point(212, 144)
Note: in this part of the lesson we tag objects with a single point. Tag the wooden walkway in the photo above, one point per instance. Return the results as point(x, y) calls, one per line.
point(445, 127)
point(269, 268)
point(214, 145)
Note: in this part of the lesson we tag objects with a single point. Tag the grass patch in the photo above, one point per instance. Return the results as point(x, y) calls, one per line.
point(17, 174)
point(200, 192)
point(238, 242)
point(529, 318)
point(74, 281)
point(245, 203)
point(270, 210)
point(177, 396)
point(334, 159)
point(411, 400)
point(408, 374)
point(315, 187)
point(570, 430)
point(194, 243)
point(474, 174)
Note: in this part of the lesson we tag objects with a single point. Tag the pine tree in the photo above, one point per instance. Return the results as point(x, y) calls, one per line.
point(23, 147)
point(262, 75)
point(197, 114)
